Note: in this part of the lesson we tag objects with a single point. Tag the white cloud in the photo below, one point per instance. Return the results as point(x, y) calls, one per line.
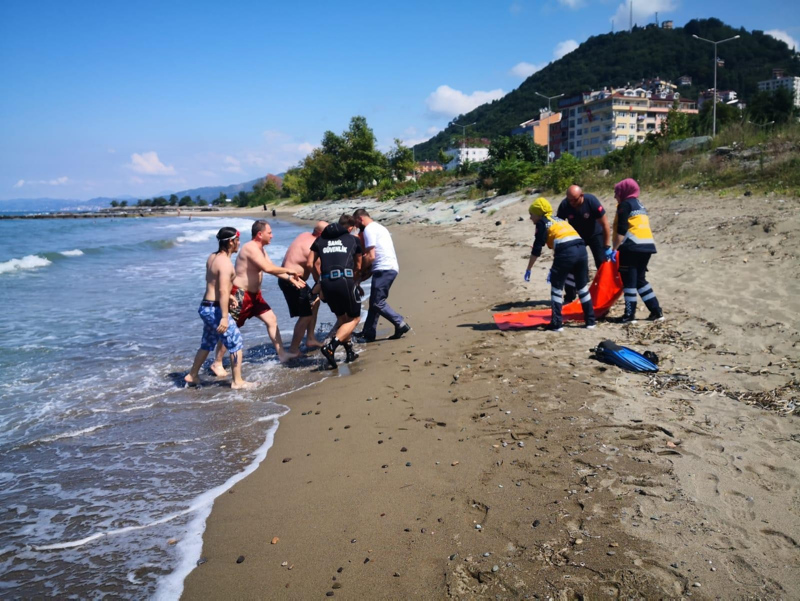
point(571, 4)
point(432, 130)
point(148, 163)
point(58, 181)
point(524, 70)
point(232, 165)
point(643, 12)
point(305, 147)
point(449, 102)
point(780, 34)
point(564, 48)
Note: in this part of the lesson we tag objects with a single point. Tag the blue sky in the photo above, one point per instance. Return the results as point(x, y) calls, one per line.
point(111, 98)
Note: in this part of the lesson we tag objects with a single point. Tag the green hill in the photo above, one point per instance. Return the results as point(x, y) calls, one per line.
point(615, 59)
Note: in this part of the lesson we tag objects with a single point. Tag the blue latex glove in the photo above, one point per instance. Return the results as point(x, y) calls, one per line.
point(527, 275)
point(549, 273)
point(609, 253)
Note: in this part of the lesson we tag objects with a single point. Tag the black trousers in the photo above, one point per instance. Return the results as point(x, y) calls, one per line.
point(633, 271)
point(598, 250)
point(570, 262)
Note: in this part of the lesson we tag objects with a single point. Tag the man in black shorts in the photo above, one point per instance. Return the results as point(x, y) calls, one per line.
point(587, 216)
point(337, 264)
point(302, 302)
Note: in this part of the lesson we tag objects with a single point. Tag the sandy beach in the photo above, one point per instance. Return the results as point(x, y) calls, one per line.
point(464, 462)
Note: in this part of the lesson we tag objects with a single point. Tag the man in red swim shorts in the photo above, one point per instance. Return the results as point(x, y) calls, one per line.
point(251, 263)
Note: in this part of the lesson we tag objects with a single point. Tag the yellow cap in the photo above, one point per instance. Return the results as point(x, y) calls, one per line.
point(540, 207)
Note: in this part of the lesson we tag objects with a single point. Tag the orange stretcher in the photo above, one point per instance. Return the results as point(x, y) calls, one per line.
point(606, 289)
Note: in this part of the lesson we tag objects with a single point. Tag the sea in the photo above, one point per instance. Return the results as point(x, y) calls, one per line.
point(109, 466)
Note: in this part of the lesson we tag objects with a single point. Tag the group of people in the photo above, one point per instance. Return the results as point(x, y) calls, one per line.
point(581, 222)
point(337, 260)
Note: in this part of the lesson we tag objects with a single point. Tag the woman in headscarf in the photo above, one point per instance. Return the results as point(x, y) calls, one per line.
point(569, 257)
point(634, 240)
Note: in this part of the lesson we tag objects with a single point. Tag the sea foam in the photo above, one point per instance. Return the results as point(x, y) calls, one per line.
point(72, 253)
point(27, 262)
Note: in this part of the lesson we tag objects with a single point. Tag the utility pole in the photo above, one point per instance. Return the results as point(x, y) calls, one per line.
point(716, 59)
point(548, 98)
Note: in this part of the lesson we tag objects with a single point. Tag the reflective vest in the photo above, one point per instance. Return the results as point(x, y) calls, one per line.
point(559, 231)
point(639, 232)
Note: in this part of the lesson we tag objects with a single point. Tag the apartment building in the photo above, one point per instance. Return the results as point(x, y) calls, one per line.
point(779, 81)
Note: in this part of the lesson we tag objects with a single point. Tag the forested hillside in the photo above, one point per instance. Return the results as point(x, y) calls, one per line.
point(627, 57)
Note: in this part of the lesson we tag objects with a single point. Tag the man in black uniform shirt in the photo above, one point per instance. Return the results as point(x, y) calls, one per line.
point(587, 217)
point(337, 264)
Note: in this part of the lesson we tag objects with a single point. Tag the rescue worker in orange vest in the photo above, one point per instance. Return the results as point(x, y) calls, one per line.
point(569, 258)
point(634, 240)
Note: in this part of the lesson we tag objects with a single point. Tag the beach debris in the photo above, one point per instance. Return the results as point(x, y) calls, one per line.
point(696, 585)
point(275, 540)
point(384, 466)
point(403, 449)
point(283, 563)
point(329, 594)
point(337, 585)
point(613, 544)
point(396, 574)
point(172, 541)
point(495, 568)
point(352, 541)
point(486, 554)
point(347, 427)
point(240, 559)
point(366, 560)
point(536, 523)
point(408, 464)
point(339, 571)
point(453, 556)
point(478, 527)
point(286, 459)
point(338, 416)
point(455, 463)
point(201, 561)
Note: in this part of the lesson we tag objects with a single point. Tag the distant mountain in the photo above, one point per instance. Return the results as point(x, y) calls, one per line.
point(212, 192)
point(615, 59)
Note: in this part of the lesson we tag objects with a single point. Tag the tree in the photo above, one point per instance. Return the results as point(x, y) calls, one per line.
point(185, 201)
point(363, 164)
point(511, 174)
point(561, 173)
point(676, 126)
point(114, 204)
point(219, 200)
point(160, 202)
point(726, 114)
point(201, 202)
point(777, 106)
point(242, 199)
point(123, 203)
point(443, 157)
point(173, 200)
point(401, 159)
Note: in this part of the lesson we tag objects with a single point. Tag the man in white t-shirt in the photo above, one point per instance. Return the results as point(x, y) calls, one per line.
point(381, 260)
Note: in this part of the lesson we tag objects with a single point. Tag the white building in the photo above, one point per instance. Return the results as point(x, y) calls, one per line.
point(790, 83)
point(462, 155)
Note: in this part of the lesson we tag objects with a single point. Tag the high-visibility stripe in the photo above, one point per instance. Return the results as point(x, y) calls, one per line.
point(584, 289)
point(647, 297)
point(645, 289)
point(558, 241)
point(630, 291)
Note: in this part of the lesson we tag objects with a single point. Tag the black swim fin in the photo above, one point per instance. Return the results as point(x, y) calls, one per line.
point(621, 356)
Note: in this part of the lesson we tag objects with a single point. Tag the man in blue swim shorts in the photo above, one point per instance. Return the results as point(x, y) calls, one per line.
point(217, 322)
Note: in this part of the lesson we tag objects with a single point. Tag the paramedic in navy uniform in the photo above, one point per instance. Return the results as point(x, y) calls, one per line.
point(587, 217)
point(336, 266)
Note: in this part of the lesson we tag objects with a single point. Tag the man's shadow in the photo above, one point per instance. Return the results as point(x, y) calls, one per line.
point(520, 305)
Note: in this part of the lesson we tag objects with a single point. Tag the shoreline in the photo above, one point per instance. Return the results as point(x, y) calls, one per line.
point(608, 490)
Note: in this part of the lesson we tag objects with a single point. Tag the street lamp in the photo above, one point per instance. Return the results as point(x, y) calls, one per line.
point(548, 98)
point(464, 131)
point(716, 59)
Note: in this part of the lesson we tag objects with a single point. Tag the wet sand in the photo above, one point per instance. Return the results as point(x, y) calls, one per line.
point(584, 480)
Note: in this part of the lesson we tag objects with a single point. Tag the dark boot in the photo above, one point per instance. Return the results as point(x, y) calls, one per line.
point(350, 352)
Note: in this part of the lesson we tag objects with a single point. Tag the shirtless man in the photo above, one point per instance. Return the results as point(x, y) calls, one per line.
point(218, 325)
point(251, 263)
point(303, 304)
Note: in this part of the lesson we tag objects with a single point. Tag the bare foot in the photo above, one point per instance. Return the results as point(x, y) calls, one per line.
point(287, 356)
point(218, 370)
point(243, 385)
point(191, 381)
point(314, 343)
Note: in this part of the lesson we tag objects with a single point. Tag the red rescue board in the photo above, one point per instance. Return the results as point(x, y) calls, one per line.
point(606, 289)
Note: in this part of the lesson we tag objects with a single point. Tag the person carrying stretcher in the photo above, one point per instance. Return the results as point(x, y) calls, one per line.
point(569, 258)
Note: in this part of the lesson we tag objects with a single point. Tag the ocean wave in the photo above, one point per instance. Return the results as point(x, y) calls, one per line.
point(72, 253)
point(26, 262)
point(201, 236)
